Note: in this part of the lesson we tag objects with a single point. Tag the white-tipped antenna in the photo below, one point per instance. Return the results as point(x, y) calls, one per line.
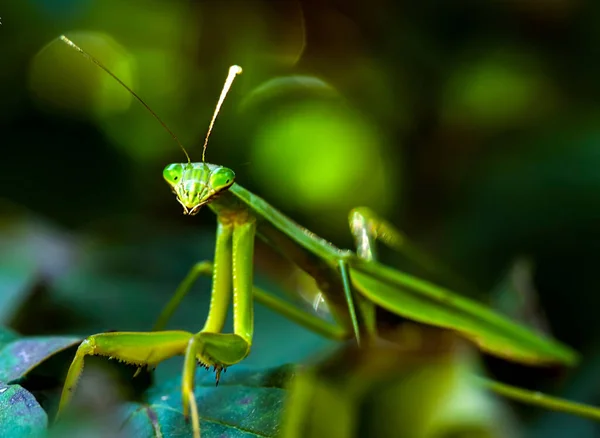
point(234, 70)
point(70, 43)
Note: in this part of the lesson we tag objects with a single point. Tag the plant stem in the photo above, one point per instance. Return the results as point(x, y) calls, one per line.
point(542, 400)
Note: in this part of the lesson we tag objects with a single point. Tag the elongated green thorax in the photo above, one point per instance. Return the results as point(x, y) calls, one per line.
point(196, 184)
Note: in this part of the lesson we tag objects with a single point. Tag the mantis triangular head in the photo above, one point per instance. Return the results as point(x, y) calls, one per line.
point(195, 184)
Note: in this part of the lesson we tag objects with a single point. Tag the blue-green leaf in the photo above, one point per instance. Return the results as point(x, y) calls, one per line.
point(247, 403)
point(20, 356)
point(20, 413)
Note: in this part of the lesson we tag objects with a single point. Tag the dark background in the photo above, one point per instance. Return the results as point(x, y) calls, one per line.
point(473, 126)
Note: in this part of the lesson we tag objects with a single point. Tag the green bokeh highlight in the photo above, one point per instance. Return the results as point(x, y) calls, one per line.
point(315, 153)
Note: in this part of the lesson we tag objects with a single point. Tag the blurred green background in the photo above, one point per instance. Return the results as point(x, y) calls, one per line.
point(473, 126)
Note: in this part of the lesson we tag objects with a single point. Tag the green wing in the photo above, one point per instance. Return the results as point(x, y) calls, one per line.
point(425, 302)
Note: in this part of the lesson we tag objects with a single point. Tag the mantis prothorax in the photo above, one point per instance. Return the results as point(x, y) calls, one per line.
point(352, 283)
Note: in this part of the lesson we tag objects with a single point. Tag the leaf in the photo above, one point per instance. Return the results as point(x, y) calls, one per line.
point(247, 403)
point(20, 356)
point(20, 413)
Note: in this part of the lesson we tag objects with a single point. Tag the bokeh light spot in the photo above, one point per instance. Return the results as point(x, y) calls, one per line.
point(323, 157)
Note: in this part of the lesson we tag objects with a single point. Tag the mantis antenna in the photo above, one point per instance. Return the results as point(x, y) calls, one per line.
point(66, 40)
point(234, 70)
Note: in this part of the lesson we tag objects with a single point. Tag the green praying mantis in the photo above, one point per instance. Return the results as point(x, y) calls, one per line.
point(353, 284)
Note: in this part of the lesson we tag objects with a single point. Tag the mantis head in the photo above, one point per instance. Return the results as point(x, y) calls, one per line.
point(196, 184)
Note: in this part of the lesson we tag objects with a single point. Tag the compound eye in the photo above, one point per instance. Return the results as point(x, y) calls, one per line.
point(222, 178)
point(172, 173)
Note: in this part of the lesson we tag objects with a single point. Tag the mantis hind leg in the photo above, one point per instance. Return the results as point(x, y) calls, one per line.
point(203, 268)
point(367, 228)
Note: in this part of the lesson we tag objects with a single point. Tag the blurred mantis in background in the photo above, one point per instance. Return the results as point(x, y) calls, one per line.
point(353, 284)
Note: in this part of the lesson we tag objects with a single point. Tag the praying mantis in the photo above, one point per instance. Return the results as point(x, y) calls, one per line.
point(353, 284)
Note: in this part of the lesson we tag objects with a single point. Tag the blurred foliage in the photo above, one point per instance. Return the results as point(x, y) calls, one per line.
point(471, 125)
point(419, 390)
